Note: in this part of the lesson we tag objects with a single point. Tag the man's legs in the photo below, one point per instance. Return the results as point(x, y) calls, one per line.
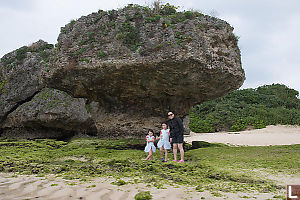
point(180, 146)
point(175, 150)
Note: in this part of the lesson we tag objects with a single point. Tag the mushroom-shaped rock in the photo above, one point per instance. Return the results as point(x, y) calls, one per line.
point(136, 60)
point(142, 62)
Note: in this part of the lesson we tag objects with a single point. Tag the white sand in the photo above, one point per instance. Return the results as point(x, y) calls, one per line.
point(271, 135)
point(50, 188)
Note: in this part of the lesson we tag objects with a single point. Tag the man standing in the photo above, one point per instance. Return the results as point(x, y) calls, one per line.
point(176, 136)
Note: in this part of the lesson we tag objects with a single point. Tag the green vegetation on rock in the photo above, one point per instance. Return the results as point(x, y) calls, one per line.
point(21, 53)
point(143, 196)
point(265, 105)
point(2, 86)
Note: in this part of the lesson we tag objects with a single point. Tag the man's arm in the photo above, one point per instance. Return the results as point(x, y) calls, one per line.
point(171, 131)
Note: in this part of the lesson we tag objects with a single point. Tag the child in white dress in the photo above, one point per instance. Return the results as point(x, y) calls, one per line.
point(164, 141)
point(150, 148)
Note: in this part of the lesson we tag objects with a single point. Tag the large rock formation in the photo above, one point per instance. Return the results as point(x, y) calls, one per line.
point(141, 63)
point(52, 114)
point(133, 65)
point(30, 110)
point(20, 75)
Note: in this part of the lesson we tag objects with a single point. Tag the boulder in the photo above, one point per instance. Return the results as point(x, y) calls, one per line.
point(20, 75)
point(139, 63)
point(27, 108)
point(186, 122)
point(52, 114)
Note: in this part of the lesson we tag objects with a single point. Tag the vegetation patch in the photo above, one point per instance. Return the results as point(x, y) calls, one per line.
point(119, 182)
point(143, 196)
point(130, 35)
point(2, 86)
point(257, 108)
point(21, 54)
point(101, 54)
point(217, 168)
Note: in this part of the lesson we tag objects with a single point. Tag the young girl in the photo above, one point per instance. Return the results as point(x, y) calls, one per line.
point(163, 142)
point(150, 148)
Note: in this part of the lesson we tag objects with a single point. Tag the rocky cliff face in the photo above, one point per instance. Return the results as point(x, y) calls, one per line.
point(30, 110)
point(139, 63)
point(20, 75)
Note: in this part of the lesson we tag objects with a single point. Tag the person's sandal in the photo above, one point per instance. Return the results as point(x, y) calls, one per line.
point(162, 160)
point(181, 160)
point(174, 160)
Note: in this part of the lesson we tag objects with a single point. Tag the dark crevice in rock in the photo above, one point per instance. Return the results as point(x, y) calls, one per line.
point(38, 133)
point(15, 107)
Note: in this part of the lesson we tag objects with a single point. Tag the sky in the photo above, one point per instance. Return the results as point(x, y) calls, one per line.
point(269, 30)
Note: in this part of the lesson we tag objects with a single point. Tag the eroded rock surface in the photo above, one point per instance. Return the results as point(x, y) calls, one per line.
point(27, 108)
point(130, 63)
point(133, 65)
point(142, 63)
point(20, 75)
point(51, 113)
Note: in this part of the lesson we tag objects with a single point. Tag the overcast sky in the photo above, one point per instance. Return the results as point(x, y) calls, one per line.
point(269, 30)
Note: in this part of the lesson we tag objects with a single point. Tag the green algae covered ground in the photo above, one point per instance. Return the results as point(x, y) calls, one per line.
point(218, 168)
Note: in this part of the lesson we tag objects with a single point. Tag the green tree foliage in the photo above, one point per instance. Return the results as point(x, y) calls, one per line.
point(265, 105)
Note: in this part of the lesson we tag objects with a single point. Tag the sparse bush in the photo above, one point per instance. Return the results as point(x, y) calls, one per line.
point(188, 15)
point(101, 54)
point(21, 53)
point(79, 52)
point(168, 9)
point(72, 22)
point(130, 35)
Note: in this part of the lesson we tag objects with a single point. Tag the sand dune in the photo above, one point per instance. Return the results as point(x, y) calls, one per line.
point(271, 135)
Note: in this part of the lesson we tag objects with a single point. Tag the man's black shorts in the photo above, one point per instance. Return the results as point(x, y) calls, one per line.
point(177, 139)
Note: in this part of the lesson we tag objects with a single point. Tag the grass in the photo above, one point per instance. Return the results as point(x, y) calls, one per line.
point(217, 168)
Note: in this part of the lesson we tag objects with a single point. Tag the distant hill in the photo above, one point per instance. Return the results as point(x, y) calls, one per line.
point(257, 108)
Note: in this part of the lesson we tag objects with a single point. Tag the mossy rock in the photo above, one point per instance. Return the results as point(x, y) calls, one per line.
point(143, 196)
point(203, 144)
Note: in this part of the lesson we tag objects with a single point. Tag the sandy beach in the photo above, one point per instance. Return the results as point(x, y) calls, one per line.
point(14, 186)
point(20, 187)
point(271, 135)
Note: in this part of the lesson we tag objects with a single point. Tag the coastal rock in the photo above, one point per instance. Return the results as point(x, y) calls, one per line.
point(52, 114)
point(20, 75)
point(122, 71)
point(27, 108)
point(141, 63)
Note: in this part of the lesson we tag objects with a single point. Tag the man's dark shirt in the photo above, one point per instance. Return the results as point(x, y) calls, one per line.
point(176, 127)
